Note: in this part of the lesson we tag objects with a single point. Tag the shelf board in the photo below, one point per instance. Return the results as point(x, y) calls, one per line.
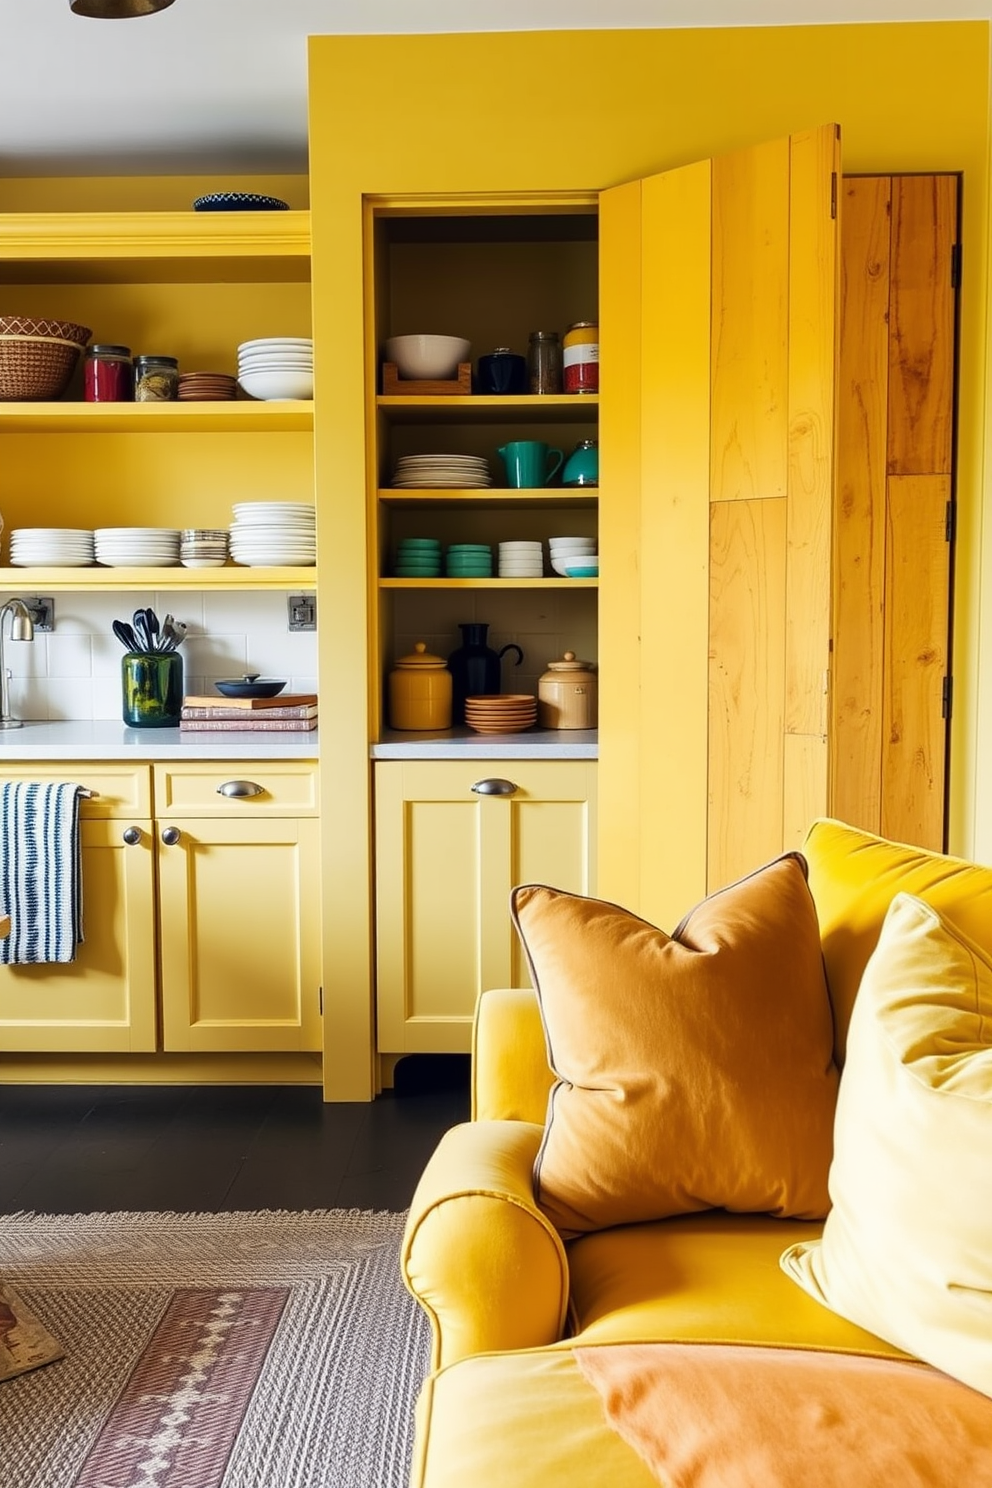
point(37, 580)
point(493, 497)
point(282, 416)
point(154, 247)
point(493, 583)
point(553, 408)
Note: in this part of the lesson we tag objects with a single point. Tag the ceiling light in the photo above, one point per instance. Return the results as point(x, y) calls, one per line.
point(117, 10)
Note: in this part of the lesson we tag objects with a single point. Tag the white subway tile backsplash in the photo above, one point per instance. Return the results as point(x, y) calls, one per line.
point(68, 655)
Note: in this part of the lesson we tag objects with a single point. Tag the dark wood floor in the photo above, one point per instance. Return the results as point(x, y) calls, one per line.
point(68, 1149)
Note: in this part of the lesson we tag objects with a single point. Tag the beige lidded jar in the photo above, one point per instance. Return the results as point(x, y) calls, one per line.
point(420, 691)
point(568, 694)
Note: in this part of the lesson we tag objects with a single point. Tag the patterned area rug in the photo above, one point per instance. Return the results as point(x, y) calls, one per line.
point(258, 1350)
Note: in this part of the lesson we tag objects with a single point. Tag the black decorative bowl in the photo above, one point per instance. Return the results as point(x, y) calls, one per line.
point(238, 201)
point(250, 687)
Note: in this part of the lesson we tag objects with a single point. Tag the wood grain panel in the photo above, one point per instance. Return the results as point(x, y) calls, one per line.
point(916, 610)
point(750, 323)
point(804, 766)
point(747, 685)
point(921, 370)
point(859, 530)
point(813, 335)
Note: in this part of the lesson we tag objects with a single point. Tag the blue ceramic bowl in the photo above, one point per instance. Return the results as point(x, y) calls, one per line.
point(238, 201)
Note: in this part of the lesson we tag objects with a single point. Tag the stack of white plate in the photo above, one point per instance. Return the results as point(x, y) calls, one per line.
point(57, 547)
point(565, 550)
point(137, 547)
point(276, 367)
point(521, 560)
point(443, 472)
point(270, 534)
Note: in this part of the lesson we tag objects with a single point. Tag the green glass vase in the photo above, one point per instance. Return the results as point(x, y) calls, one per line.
point(152, 683)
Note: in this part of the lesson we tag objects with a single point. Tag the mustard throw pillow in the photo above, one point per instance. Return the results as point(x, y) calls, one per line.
point(694, 1071)
point(907, 1248)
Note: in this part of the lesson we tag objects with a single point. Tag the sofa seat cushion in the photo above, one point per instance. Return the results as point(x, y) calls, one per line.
point(713, 1277)
point(698, 1416)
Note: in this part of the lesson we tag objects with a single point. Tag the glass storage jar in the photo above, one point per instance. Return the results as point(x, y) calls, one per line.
point(544, 362)
point(107, 374)
point(156, 379)
point(152, 684)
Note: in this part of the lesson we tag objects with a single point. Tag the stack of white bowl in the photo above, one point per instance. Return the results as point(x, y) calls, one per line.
point(270, 534)
point(203, 547)
point(276, 367)
point(56, 547)
point(570, 550)
point(521, 560)
point(136, 547)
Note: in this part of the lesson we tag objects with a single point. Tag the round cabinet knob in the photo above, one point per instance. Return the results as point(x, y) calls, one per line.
point(494, 787)
point(240, 788)
point(170, 836)
point(132, 836)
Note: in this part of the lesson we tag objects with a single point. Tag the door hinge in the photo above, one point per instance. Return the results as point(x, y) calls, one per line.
point(946, 697)
point(833, 194)
point(956, 266)
point(950, 522)
point(320, 1000)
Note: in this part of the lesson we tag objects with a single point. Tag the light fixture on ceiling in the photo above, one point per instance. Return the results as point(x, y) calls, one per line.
point(117, 10)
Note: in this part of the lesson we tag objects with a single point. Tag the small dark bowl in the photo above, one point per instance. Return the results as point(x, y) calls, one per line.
point(250, 687)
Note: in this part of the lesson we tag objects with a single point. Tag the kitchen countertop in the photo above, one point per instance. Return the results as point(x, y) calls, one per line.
point(105, 739)
point(463, 744)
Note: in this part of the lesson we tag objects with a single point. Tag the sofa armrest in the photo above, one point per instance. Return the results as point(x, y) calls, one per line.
point(510, 1074)
point(478, 1255)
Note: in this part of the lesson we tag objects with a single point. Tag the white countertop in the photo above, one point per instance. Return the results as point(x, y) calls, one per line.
point(105, 739)
point(463, 744)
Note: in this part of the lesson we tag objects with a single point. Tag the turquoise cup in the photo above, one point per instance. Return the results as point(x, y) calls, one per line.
point(529, 462)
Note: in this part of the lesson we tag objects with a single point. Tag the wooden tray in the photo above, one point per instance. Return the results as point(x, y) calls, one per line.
point(393, 385)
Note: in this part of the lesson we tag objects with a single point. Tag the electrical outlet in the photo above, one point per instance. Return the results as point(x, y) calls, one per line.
point(42, 612)
point(302, 612)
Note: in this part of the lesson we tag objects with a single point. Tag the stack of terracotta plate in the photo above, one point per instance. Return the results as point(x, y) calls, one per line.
point(207, 387)
point(501, 713)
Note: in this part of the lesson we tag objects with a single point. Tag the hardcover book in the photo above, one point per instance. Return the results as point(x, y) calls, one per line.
point(302, 710)
point(251, 723)
point(252, 705)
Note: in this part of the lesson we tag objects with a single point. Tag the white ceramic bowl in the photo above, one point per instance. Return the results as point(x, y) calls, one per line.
point(427, 357)
point(572, 544)
point(268, 385)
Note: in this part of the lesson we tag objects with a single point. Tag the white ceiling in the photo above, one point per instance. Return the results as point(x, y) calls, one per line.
point(212, 85)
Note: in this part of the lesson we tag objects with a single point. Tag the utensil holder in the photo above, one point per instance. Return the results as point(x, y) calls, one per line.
point(152, 684)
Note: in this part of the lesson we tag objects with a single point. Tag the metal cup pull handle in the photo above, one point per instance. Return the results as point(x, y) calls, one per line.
point(240, 788)
point(494, 786)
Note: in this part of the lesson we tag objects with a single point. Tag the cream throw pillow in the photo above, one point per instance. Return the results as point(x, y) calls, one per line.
point(907, 1247)
point(694, 1069)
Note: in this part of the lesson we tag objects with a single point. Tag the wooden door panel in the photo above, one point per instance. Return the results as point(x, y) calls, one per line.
point(921, 361)
point(859, 538)
point(917, 597)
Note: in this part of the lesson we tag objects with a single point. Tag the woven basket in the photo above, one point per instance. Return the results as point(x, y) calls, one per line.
point(38, 357)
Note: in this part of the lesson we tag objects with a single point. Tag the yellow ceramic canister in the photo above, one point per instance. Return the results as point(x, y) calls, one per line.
point(568, 695)
point(580, 358)
point(420, 691)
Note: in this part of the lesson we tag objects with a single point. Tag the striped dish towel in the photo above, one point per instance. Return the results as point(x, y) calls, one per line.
point(41, 883)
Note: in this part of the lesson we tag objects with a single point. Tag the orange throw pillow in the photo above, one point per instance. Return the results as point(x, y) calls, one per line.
point(694, 1071)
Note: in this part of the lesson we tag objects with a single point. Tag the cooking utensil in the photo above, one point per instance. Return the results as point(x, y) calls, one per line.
point(251, 685)
point(174, 631)
point(125, 635)
point(141, 630)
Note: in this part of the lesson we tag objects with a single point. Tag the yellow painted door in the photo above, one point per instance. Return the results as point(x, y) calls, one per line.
point(447, 856)
point(105, 1000)
point(239, 928)
point(718, 343)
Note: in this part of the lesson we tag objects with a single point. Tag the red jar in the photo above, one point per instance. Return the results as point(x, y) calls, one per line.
point(580, 357)
point(107, 376)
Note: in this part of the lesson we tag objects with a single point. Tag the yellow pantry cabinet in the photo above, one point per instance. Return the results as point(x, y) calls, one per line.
point(200, 916)
point(452, 838)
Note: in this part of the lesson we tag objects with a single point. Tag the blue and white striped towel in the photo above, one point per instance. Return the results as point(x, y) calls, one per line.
point(41, 881)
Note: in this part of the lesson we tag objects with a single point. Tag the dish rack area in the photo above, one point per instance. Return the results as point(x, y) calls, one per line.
point(444, 515)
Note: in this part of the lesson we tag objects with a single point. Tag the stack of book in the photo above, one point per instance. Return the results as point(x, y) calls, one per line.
point(286, 713)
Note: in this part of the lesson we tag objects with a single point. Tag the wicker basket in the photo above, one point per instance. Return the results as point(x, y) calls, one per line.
point(38, 357)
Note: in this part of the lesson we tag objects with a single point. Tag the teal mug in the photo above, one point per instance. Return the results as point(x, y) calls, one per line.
point(527, 462)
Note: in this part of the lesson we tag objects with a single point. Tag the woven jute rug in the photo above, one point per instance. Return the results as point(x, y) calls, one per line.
point(242, 1350)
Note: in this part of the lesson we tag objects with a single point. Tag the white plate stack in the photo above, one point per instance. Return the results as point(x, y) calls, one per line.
point(443, 472)
point(55, 547)
point(521, 560)
point(272, 534)
point(137, 547)
point(276, 367)
point(570, 550)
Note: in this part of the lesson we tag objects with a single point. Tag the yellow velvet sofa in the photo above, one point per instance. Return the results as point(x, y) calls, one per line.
point(525, 1323)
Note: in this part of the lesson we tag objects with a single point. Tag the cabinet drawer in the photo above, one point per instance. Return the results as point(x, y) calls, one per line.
point(117, 791)
point(284, 789)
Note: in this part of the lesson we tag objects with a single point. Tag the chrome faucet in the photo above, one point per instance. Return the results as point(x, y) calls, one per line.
point(21, 629)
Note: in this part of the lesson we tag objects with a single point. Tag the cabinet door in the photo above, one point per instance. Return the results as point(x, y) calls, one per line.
point(240, 934)
point(446, 859)
point(718, 315)
point(104, 1001)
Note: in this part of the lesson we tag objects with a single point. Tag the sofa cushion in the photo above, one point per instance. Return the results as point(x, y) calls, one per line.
point(693, 1070)
point(907, 1248)
point(854, 877)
